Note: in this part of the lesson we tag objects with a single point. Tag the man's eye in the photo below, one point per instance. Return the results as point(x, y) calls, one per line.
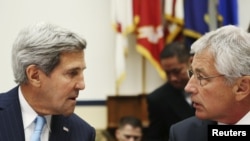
point(174, 71)
point(73, 73)
point(177, 70)
point(199, 77)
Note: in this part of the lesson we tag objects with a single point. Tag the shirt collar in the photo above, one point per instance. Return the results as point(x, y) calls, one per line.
point(28, 114)
point(243, 121)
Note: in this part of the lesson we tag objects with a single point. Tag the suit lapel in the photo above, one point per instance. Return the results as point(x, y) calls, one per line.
point(200, 128)
point(59, 129)
point(11, 117)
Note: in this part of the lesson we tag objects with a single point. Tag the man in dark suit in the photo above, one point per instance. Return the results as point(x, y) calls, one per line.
point(195, 130)
point(168, 104)
point(48, 63)
point(219, 84)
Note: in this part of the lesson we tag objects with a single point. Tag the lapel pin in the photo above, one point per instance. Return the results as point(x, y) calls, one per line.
point(65, 129)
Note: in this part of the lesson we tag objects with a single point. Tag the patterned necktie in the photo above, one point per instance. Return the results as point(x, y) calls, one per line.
point(39, 121)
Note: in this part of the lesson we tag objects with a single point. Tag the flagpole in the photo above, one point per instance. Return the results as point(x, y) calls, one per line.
point(143, 75)
point(116, 89)
point(212, 10)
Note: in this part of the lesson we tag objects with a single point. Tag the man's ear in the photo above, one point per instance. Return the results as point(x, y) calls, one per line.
point(33, 74)
point(242, 88)
point(190, 59)
point(117, 133)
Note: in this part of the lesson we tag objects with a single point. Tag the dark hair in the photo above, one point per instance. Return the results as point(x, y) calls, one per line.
point(133, 121)
point(177, 49)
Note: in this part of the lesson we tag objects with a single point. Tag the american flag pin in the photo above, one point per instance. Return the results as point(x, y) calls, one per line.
point(65, 129)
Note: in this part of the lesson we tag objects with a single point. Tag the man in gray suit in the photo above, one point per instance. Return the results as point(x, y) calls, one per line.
point(48, 64)
point(219, 83)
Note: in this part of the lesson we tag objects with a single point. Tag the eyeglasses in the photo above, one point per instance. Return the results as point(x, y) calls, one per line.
point(131, 136)
point(201, 78)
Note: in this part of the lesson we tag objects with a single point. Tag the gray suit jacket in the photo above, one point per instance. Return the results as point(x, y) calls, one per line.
point(12, 124)
point(190, 129)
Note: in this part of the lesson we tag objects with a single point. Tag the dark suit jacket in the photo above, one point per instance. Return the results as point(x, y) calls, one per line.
point(190, 129)
point(166, 106)
point(12, 124)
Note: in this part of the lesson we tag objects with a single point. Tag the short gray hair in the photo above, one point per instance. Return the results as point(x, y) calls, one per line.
point(230, 46)
point(41, 45)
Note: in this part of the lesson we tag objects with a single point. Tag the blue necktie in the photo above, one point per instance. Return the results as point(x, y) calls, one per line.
point(39, 121)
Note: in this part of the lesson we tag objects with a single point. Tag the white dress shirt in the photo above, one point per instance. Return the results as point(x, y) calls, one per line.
point(243, 121)
point(29, 115)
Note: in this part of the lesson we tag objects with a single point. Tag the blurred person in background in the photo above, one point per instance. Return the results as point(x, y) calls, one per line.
point(129, 129)
point(169, 103)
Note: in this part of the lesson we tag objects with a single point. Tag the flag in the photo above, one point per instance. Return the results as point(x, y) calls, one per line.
point(196, 17)
point(228, 9)
point(122, 21)
point(149, 30)
point(174, 20)
point(195, 26)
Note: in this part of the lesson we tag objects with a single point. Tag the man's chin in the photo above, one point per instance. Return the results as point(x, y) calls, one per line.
point(69, 111)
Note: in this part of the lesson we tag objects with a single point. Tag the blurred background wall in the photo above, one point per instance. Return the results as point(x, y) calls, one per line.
point(91, 19)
